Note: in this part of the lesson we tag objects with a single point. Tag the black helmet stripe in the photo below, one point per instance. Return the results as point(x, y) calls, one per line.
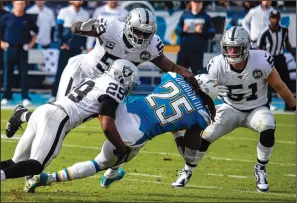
point(233, 33)
point(147, 16)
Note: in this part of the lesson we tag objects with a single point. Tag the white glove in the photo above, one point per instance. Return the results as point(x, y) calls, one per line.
point(223, 91)
point(89, 24)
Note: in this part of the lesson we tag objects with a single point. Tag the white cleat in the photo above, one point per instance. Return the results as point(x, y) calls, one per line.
point(261, 179)
point(183, 179)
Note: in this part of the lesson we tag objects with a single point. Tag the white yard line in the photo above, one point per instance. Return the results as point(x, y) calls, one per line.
point(290, 175)
point(229, 176)
point(14, 139)
point(213, 187)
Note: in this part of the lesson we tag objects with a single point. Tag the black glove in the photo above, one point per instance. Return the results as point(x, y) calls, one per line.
point(122, 156)
point(293, 108)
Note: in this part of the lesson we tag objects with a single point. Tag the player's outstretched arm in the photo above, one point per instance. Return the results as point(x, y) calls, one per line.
point(281, 88)
point(91, 27)
point(167, 65)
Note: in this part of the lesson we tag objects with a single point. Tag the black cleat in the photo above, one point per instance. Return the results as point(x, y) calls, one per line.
point(14, 122)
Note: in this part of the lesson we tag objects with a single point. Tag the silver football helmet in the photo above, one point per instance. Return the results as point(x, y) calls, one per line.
point(235, 44)
point(208, 85)
point(125, 73)
point(140, 27)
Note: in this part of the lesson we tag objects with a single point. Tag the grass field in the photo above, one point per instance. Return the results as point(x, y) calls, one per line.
point(224, 175)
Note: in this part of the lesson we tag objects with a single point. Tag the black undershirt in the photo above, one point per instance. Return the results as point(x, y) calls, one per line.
point(108, 106)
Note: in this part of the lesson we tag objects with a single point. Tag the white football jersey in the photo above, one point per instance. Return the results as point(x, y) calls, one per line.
point(110, 46)
point(83, 102)
point(248, 89)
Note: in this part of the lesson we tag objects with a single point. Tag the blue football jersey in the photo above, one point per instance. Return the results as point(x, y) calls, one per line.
point(172, 106)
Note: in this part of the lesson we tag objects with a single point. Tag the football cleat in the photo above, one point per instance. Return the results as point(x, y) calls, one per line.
point(183, 179)
point(35, 181)
point(261, 178)
point(106, 181)
point(14, 122)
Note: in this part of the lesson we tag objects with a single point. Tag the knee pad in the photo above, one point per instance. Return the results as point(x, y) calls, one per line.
point(35, 167)
point(204, 145)
point(267, 138)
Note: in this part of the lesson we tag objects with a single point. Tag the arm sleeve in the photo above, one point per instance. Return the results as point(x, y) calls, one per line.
point(261, 44)
point(212, 69)
point(268, 63)
point(247, 21)
point(59, 27)
point(108, 106)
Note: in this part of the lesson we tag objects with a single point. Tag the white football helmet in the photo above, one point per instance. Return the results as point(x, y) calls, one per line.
point(235, 44)
point(125, 73)
point(140, 27)
point(208, 85)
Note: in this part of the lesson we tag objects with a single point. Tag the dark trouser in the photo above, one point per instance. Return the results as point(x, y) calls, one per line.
point(15, 56)
point(193, 60)
point(282, 69)
point(65, 55)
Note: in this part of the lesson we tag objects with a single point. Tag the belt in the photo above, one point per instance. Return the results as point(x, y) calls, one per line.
point(59, 106)
point(248, 110)
point(20, 46)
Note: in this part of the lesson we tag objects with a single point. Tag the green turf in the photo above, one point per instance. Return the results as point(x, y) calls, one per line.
point(149, 175)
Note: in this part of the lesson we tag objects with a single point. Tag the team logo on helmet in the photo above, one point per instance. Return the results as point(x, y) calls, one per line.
point(127, 71)
point(145, 55)
point(257, 74)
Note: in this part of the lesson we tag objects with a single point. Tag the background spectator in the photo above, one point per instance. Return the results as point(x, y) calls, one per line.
point(195, 27)
point(111, 10)
point(70, 45)
point(256, 20)
point(274, 39)
point(237, 17)
point(15, 41)
point(46, 23)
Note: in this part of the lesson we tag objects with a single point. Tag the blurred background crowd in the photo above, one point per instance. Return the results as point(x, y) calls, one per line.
point(36, 41)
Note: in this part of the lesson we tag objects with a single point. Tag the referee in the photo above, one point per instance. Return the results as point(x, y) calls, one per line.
point(274, 39)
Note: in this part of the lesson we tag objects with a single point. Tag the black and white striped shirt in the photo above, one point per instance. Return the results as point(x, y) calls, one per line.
point(273, 42)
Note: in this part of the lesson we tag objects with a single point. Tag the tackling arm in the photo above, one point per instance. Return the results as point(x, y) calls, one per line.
point(106, 117)
point(91, 27)
point(281, 88)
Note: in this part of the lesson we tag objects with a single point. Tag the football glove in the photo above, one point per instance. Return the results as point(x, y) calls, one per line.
point(122, 157)
point(89, 24)
point(223, 91)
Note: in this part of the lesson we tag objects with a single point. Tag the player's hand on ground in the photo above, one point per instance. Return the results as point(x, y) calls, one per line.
point(223, 91)
point(89, 24)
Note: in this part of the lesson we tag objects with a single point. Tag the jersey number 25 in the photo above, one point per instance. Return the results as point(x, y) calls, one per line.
point(175, 104)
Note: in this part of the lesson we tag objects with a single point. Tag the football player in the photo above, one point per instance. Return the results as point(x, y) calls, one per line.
point(243, 76)
point(134, 40)
point(46, 130)
point(172, 106)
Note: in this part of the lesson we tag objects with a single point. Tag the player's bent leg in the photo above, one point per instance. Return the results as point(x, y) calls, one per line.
point(226, 120)
point(262, 121)
point(103, 161)
point(18, 117)
point(23, 148)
